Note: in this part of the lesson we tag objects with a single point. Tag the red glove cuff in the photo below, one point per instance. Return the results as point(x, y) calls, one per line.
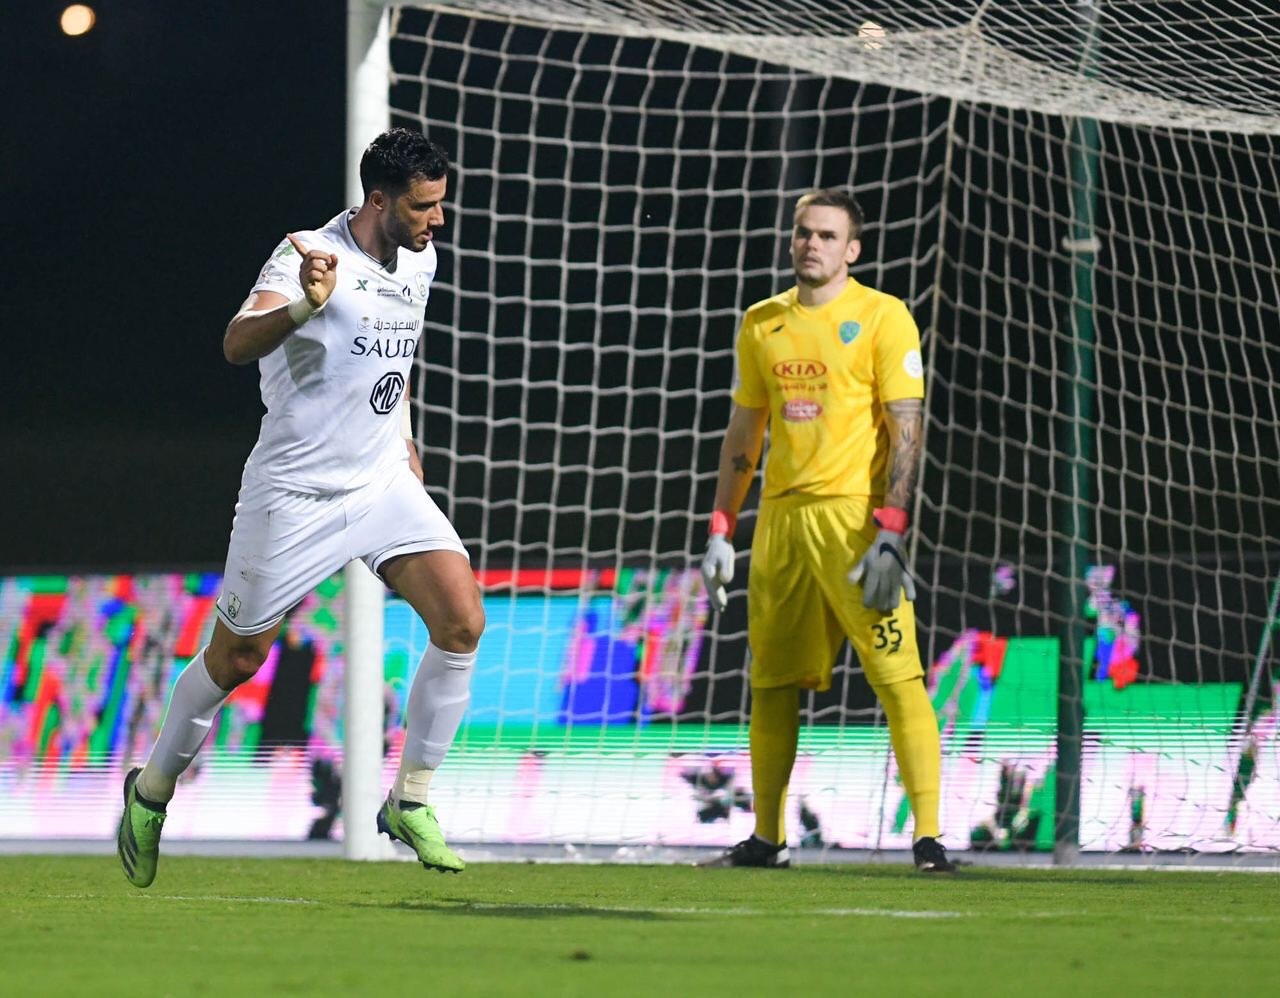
point(723, 523)
point(891, 518)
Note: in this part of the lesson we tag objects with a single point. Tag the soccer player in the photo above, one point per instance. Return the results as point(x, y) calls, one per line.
point(333, 322)
point(833, 370)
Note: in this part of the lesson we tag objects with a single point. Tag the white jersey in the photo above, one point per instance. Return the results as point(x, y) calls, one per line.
point(333, 387)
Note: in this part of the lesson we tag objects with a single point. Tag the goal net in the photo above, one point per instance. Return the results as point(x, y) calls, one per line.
point(1077, 201)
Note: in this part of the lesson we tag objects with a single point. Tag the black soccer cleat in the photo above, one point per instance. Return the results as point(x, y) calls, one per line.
point(931, 857)
point(753, 852)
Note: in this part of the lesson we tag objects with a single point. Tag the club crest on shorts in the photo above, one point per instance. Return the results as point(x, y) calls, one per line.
point(233, 606)
point(849, 331)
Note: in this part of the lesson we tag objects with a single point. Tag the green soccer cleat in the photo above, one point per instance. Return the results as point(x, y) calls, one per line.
point(138, 840)
point(415, 825)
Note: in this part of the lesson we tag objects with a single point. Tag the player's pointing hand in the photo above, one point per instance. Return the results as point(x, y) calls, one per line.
point(318, 273)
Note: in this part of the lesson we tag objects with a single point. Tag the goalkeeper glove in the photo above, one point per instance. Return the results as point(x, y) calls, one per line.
point(882, 572)
point(717, 563)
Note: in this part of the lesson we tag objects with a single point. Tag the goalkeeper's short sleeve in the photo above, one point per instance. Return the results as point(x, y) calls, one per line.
point(899, 366)
point(749, 388)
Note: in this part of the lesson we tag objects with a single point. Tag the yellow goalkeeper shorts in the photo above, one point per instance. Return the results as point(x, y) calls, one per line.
point(801, 605)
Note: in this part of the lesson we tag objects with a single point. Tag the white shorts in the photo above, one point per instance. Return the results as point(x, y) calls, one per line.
point(284, 544)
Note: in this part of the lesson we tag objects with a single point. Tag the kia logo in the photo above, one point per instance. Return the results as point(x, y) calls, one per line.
point(799, 370)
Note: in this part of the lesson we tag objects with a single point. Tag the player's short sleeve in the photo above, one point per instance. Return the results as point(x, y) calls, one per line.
point(749, 389)
point(899, 366)
point(280, 274)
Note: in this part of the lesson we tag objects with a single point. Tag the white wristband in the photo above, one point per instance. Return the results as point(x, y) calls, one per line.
point(300, 310)
point(406, 421)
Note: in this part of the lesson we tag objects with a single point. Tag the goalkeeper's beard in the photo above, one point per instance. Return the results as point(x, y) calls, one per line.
point(820, 279)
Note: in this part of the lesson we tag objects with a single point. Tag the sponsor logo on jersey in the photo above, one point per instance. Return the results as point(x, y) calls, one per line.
point(801, 410)
point(799, 370)
point(395, 325)
point(284, 249)
point(386, 344)
point(405, 292)
point(386, 347)
point(420, 279)
point(386, 393)
point(361, 285)
point(912, 364)
point(849, 331)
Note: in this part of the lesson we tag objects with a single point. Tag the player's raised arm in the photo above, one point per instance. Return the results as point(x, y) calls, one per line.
point(267, 318)
point(318, 272)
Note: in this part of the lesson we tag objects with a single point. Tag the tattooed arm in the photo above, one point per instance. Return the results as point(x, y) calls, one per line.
point(904, 418)
point(882, 570)
point(740, 456)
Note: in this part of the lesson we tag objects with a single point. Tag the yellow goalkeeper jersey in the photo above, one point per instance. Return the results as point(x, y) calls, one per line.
point(825, 374)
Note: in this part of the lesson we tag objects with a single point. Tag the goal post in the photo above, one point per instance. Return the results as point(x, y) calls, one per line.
point(368, 113)
point(1082, 244)
point(1087, 243)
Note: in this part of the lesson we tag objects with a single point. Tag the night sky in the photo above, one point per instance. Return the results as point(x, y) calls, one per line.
point(149, 169)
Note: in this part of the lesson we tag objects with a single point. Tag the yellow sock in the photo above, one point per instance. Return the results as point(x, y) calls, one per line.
point(913, 730)
point(775, 729)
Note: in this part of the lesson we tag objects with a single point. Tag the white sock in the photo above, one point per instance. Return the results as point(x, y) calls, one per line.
point(438, 700)
point(188, 720)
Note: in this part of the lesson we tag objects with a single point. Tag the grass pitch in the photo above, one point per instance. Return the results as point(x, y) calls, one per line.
point(73, 925)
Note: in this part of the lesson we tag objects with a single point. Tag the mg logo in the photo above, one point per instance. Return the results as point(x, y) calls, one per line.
point(387, 392)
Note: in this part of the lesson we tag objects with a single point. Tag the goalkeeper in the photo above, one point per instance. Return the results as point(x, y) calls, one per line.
point(833, 369)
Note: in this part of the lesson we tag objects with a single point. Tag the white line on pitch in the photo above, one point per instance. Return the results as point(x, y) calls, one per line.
point(1148, 916)
point(183, 897)
point(221, 898)
point(740, 912)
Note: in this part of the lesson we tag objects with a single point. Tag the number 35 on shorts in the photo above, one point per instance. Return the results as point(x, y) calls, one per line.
point(887, 636)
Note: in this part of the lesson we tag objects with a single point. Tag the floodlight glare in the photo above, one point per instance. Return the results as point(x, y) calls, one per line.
point(78, 19)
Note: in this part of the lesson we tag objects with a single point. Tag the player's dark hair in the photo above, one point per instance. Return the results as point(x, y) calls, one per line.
point(397, 158)
point(830, 197)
